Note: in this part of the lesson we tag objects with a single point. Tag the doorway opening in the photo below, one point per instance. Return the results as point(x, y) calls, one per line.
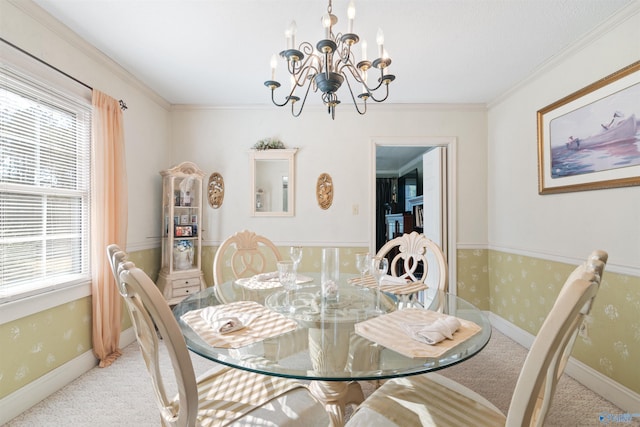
point(400, 161)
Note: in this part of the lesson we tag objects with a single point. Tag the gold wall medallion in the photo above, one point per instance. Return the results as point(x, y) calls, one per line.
point(324, 191)
point(215, 190)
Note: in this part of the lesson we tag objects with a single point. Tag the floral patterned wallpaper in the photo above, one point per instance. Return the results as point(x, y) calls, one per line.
point(517, 288)
point(473, 276)
point(36, 344)
point(523, 290)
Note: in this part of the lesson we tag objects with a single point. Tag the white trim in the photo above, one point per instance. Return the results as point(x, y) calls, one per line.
point(19, 308)
point(34, 11)
point(621, 396)
point(306, 243)
point(611, 267)
point(550, 256)
point(150, 243)
point(128, 336)
point(21, 400)
point(24, 398)
point(482, 246)
point(598, 32)
point(380, 108)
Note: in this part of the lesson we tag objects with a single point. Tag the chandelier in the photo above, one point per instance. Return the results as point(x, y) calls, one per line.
point(330, 64)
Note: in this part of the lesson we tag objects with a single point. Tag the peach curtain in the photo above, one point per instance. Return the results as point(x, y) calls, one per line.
point(109, 212)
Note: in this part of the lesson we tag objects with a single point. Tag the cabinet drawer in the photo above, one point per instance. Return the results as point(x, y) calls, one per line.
point(184, 283)
point(184, 291)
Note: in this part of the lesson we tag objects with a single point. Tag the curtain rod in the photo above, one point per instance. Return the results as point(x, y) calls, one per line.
point(123, 105)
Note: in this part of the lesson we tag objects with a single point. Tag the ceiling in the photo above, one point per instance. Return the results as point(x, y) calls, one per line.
point(217, 52)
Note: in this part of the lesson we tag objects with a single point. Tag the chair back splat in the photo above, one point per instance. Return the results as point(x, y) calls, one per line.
point(245, 254)
point(416, 258)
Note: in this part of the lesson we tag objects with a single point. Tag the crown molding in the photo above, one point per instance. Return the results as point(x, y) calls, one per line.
point(621, 16)
point(41, 16)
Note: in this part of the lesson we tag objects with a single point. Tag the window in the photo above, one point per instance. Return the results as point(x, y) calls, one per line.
point(44, 185)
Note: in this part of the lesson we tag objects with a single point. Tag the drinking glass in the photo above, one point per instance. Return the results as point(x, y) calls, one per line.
point(330, 274)
point(287, 277)
point(363, 262)
point(295, 253)
point(379, 267)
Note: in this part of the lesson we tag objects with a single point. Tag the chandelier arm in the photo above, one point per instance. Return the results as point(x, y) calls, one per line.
point(274, 100)
point(353, 98)
point(356, 75)
point(309, 55)
point(380, 81)
point(304, 101)
point(354, 72)
point(385, 96)
point(344, 51)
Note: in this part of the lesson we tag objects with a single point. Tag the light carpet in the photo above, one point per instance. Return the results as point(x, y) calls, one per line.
point(121, 395)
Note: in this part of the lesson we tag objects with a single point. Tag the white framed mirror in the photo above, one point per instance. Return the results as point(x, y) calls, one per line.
point(272, 182)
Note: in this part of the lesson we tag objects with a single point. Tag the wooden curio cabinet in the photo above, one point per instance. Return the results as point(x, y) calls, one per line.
point(182, 209)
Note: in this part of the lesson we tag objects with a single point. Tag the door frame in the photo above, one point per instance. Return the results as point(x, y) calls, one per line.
point(450, 143)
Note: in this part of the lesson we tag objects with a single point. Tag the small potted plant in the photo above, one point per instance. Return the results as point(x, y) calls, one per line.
point(268, 144)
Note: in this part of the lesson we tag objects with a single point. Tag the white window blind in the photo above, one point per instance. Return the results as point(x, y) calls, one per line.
point(44, 185)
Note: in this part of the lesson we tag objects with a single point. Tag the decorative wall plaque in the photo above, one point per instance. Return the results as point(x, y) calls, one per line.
point(324, 191)
point(215, 190)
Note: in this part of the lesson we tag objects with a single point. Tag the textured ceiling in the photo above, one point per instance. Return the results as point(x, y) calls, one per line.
point(217, 52)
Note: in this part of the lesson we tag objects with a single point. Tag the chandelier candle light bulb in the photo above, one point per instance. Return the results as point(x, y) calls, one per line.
point(325, 67)
point(326, 23)
point(274, 65)
point(291, 40)
point(380, 41)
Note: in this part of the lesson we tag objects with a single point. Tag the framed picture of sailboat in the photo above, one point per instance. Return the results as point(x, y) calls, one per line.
point(590, 139)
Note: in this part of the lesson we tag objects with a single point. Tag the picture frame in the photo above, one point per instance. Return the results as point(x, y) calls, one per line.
point(590, 140)
point(183, 231)
point(184, 219)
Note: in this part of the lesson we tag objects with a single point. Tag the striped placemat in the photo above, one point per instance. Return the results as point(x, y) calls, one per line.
point(256, 282)
point(387, 330)
point(392, 288)
point(267, 324)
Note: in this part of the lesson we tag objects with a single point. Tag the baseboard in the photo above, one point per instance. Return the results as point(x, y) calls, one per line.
point(19, 401)
point(621, 396)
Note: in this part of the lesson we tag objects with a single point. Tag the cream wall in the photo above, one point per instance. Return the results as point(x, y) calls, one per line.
point(219, 141)
point(535, 239)
point(569, 224)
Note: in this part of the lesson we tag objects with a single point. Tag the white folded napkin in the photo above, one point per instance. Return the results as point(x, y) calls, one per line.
point(224, 322)
point(387, 279)
point(434, 332)
point(267, 277)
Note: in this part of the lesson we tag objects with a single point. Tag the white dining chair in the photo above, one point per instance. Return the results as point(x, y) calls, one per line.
point(220, 397)
point(434, 400)
point(244, 254)
point(415, 258)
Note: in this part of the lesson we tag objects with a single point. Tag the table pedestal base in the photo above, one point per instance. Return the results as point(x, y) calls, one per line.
point(335, 395)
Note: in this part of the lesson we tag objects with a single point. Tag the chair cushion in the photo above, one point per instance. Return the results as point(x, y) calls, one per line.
point(426, 400)
point(227, 394)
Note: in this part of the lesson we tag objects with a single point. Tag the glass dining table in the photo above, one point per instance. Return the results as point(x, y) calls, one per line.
point(334, 343)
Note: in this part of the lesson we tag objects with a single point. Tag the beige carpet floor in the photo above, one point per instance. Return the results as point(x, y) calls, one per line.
point(121, 395)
